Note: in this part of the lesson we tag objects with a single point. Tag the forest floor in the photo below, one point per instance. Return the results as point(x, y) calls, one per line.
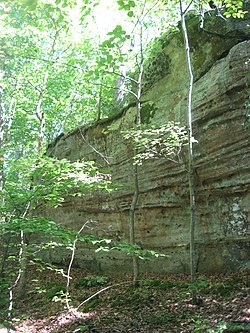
point(159, 304)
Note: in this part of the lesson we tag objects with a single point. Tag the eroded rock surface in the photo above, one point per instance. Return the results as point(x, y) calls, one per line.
point(221, 60)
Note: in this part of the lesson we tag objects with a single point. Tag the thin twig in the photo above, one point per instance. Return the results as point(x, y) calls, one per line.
point(92, 147)
point(184, 12)
point(128, 78)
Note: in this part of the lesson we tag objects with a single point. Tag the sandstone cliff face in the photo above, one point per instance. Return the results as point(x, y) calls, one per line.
point(221, 58)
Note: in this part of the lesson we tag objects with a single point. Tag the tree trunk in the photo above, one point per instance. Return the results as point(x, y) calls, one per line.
point(1, 146)
point(99, 109)
point(190, 160)
point(132, 225)
point(136, 180)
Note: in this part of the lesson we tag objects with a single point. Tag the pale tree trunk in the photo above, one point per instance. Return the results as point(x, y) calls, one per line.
point(190, 160)
point(2, 121)
point(20, 278)
point(132, 217)
point(99, 106)
point(41, 115)
point(2, 248)
point(135, 173)
point(2, 118)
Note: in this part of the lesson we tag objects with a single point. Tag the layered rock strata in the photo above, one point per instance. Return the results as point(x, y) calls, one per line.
point(220, 59)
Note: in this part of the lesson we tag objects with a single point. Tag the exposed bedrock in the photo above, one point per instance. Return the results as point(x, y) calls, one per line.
point(221, 57)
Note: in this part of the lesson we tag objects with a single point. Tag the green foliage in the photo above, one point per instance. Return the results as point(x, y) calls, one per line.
point(52, 67)
point(47, 180)
point(92, 281)
point(201, 326)
point(4, 284)
point(8, 325)
point(198, 285)
point(61, 297)
point(204, 326)
point(55, 291)
point(28, 185)
point(132, 297)
point(237, 327)
point(53, 234)
point(163, 319)
point(223, 289)
point(53, 59)
point(127, 5)
point(165, 142)
point(234, 9)
point(83, 328)
point(91, 305)
point(159, 284)
point(132, 250)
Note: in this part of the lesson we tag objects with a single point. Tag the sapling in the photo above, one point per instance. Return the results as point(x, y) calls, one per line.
point(191, 140)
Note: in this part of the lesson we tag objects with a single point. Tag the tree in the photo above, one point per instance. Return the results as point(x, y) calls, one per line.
point(47, 182)
point(140, 14)
point(191, 140)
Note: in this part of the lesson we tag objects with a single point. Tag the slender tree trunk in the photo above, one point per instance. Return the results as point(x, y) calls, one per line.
point(99, 110)
point(2, 118)
point(20, 278)
point(2, 121)
point(2, 248)
point(41, 115)
point(132, 216)
point(136, 180)
point(190, 159)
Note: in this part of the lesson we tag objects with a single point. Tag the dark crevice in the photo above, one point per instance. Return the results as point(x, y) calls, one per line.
point(222, 56)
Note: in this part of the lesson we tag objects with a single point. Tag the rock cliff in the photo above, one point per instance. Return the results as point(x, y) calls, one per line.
point(220, 59)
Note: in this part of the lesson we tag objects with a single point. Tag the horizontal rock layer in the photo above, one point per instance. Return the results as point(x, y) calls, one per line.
point(220, 61)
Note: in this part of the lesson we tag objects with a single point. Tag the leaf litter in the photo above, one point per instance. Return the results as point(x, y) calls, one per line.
point(160, 304)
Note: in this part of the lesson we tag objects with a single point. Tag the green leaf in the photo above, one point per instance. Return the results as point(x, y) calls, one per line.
point(131, 3)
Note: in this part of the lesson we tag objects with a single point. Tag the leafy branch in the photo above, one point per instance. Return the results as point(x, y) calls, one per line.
point(165, 141)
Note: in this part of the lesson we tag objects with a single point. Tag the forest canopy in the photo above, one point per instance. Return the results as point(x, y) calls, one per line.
point(65, 63)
